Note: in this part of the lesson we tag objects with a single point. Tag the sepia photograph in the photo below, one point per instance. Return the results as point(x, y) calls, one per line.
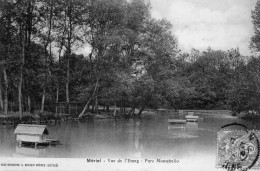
point(129, 85)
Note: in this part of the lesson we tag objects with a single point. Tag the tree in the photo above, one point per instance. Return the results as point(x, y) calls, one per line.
point(244, 91)
point(105, 36)
point(157, 57)
point(7, 35)
point(132, 61)
point(255, 39)
point(26, 16)
point(72, 14)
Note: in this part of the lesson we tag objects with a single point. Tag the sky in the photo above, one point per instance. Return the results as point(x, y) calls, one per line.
point(199, 24)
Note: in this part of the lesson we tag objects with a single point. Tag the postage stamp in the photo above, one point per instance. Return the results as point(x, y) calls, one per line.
point(238, 149)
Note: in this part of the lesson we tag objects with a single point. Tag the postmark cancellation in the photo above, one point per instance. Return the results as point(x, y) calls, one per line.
point(238, 149)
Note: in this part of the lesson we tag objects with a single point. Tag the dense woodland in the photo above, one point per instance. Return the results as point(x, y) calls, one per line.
point(134, 60)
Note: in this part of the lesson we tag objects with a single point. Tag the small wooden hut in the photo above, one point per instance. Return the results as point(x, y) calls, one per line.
point(31, 133)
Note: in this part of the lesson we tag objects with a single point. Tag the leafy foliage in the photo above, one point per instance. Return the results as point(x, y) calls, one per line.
point(134, 59)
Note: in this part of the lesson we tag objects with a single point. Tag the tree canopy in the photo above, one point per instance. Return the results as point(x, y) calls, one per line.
point(134, 60)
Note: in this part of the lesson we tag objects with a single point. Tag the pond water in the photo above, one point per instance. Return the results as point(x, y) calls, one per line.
point(146, 138)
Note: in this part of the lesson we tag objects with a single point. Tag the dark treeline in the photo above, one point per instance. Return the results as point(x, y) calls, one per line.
point(134, 60)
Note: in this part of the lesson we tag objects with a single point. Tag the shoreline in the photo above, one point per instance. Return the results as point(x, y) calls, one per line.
point(51, 118)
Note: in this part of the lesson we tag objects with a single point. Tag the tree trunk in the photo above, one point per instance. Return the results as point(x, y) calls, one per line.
point(67, 84)
point(84, 109)
point(86, 106)
point(131, 111)
point(57, 99)
point(20, 85)
point(69, 38)
point(96, 104)
point(20, 95)
point(114, 108)
point(140, 111)
point(1, 99)
point(43, 99)
point(21, 78)
point(29, 104)
point(5, 92)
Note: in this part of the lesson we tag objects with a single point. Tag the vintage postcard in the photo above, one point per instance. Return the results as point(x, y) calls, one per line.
point(129, 85)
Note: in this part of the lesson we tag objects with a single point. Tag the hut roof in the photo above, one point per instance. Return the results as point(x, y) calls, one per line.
point(30, 129)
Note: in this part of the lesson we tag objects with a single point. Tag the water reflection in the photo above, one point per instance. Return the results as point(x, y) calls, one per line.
point(188, 130)
point(135, 137)
point(192, 129)
point(21, 152)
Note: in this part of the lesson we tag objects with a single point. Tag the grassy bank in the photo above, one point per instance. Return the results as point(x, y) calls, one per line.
point(13, 118)
point(249, 117)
